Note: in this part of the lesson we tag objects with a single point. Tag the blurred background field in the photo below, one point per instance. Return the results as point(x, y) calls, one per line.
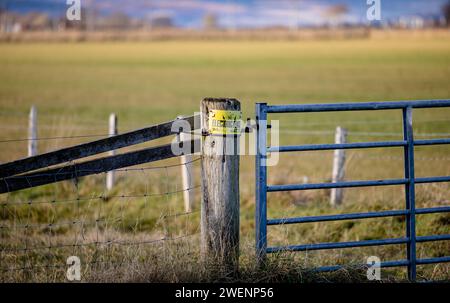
point(77, 81)
point(76, 86)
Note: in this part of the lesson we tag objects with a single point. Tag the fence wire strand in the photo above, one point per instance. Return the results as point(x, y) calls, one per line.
point(42, 227)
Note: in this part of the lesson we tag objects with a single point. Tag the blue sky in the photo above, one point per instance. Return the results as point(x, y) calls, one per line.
point(239, 13)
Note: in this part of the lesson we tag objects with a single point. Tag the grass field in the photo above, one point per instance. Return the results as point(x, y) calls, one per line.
point(76, 86)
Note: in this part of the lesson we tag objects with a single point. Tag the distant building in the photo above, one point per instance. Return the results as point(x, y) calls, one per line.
point(14, 23)
point(8, 21)
point(415, 22)
point(115, 21)
point(37, 22)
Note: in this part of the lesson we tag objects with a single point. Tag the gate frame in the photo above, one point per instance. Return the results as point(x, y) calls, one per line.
point(409, 181)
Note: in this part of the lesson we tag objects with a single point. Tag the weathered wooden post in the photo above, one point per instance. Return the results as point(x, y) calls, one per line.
point(220, 124)
point(110, 177)
point(32, 132)
point(338, 174)
point(187, 175)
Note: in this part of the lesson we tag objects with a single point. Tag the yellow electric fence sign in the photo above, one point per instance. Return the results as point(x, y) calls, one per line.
point(225, 122)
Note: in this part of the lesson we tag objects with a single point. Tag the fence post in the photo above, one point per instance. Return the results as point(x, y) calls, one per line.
point(187, 175)
point(32, 132)
point(220, 187)
point(110, 176)
point(337, 194)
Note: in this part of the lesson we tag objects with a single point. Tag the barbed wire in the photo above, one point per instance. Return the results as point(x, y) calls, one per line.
point(101, 197)
point(95, 243)
point(346, 122)
point(160, 167)
point(82, 223)
point(53, 224)
point(180, 214)
point(148, 242)
point(53, 138)
point(100, 124)
point(287, 131)
point(43, 173)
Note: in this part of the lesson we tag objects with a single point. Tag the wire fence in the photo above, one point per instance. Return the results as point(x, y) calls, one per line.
point(143, 215)
point(288, 131)
point(293, 128)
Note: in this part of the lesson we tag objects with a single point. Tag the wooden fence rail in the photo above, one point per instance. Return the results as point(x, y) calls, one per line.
point(10, 180)
point(91, 148)
point(92, 167)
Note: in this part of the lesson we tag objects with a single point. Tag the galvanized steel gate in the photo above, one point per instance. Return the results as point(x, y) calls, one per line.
point(409, 181)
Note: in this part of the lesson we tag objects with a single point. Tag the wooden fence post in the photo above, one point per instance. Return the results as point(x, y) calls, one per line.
point(187, 175)
point(110, 176)
point(220, 186)
point(337, 194)
point(32, 132)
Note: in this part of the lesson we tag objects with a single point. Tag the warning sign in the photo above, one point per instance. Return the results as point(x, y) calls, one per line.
point(225, 122)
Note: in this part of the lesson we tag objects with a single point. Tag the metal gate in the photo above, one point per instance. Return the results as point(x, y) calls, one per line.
point(410, 212)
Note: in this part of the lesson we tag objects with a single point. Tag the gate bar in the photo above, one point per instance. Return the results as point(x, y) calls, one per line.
point(362, 266)
point(356, 216)
point(432, 210)
point(336, 146)
point(351, 244)
point(292, 187)
point(433, 238)
point(432, 179)
point(334, 245)
point(433, 260)
point(312, 147)
point(385, 264)
point(431, 142)
point(346, 184)
point(293, 108)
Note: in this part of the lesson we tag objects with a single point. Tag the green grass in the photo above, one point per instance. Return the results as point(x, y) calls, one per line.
point(76, 86)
